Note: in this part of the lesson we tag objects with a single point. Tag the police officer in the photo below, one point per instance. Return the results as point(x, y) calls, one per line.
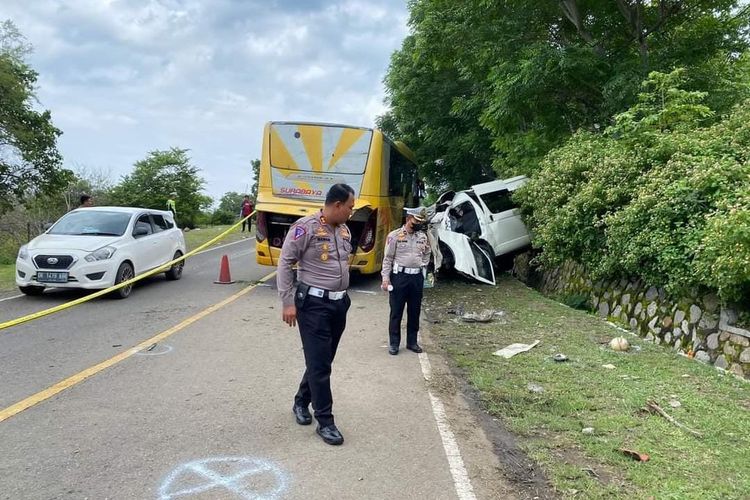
point(320, 245)
point(407, 253)
point(171, 205)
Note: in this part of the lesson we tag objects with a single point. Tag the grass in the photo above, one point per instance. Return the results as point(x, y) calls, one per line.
point(7, 280)
point(197, 237)
point(581, 393)
point(193, 239)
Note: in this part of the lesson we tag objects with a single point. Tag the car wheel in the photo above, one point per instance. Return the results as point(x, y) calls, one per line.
point(175, 272)
point(31, 290)
point(124, 273)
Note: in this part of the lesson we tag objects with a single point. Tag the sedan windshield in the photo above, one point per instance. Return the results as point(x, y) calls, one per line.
point(92, 223)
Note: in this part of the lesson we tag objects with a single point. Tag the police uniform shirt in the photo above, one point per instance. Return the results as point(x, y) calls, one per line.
point(321, 253)
point(405, 249)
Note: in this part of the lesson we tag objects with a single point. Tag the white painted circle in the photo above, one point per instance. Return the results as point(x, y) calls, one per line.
point(246, 477)
point(156, 351)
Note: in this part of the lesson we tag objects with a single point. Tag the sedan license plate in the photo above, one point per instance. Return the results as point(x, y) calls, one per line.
point(51, 277)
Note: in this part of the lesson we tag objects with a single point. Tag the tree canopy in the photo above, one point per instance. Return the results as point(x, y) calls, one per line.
point(161, 173)
point(29, 160)
point(487, 83)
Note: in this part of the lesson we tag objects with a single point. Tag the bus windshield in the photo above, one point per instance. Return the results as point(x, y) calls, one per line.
point(306, 160)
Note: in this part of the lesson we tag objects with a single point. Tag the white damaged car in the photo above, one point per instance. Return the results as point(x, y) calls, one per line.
point(475, 226)
point(98, 247)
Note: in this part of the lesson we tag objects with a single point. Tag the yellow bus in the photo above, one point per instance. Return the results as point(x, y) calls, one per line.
point(301, 161)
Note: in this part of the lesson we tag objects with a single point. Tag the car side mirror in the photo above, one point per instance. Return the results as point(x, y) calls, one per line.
point(46, 226)
point(140, 231)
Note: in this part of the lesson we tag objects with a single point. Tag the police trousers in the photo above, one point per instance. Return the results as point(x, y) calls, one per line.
point(407, 292)
point(321, 324)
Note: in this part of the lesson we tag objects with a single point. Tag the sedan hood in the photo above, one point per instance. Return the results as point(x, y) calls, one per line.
point(69, 242)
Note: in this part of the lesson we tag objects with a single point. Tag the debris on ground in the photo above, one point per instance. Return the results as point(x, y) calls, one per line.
point(609, 367)
point(674, 403)
point(588, 430)
point(535, 388)
point(590, 472)
point(560, 357)
point(619, 344)
point(652, 407)
point(641, 457)
point(458, 310)
point(513, 349)
point(483, 317)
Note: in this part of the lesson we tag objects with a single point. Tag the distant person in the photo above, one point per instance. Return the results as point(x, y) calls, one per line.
point(86, 201)
point(171, 206)
point(246, 209)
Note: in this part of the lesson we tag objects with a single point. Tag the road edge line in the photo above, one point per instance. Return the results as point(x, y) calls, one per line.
point(461, 480)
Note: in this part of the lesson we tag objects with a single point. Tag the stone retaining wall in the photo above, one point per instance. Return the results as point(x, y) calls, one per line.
point(697, 325)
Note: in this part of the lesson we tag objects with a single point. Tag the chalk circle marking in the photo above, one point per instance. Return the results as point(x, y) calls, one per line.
point(247, 478)
point(158, 350)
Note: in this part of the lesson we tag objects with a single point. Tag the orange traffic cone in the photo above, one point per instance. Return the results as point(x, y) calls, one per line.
point(224, 277)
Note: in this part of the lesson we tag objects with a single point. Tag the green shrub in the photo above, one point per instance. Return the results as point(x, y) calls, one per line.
point(661, 196)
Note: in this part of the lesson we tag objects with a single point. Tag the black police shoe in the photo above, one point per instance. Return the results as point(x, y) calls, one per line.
point(330, 434)
point(302, 414)
point(414, 348)
point(393, 350)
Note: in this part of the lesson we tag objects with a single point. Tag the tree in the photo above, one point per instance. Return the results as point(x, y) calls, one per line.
point(505, 82)
point(229, 208)
point(29, 160)
point(451, 147)
point(156, 177)
point(92, 181)
point(255, 164)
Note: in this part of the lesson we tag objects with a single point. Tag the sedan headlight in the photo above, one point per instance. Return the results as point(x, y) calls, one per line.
point(103, 253)
point(23, 253)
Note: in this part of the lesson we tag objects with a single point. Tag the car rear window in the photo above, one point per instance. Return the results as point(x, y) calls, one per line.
point(92, 223)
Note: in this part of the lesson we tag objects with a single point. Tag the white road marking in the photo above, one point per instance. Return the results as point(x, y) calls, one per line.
point(11, 298)
point(209, 479)
point(158, 350)
point(460, 477)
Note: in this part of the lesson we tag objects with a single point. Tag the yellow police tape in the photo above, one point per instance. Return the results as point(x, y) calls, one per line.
point(161, 269)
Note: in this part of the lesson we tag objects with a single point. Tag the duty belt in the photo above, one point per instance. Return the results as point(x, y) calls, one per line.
point(407, 270)
point(319, 292)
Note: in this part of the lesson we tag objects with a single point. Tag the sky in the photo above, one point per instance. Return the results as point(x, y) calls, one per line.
point(125, 77)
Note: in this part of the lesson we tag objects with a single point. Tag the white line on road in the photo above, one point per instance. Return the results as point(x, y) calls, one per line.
point(11, 298)
point(460, 477)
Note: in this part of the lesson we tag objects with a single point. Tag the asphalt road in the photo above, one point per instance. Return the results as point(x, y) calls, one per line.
point(207, 412)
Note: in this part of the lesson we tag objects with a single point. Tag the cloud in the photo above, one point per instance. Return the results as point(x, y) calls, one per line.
point(122, 78)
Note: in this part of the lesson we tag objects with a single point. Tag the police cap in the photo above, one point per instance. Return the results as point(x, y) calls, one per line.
point(419, 213)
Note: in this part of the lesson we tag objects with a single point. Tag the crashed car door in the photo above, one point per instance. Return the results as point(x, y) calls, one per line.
point(469, 259)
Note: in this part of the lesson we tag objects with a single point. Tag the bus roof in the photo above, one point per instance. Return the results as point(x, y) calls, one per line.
point(319, 124)
point(403, 148)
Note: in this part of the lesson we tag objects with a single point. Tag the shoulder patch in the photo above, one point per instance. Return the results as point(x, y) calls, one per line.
point(299, 232)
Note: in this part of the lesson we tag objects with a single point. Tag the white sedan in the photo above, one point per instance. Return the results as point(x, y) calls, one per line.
point(97, 247)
